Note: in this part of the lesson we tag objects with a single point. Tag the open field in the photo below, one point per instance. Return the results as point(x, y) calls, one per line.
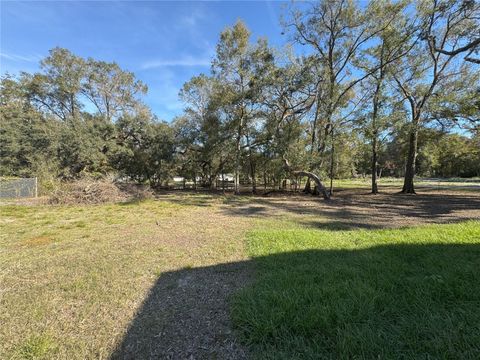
point(161, 164)
point(210, 276)
point(424, 184)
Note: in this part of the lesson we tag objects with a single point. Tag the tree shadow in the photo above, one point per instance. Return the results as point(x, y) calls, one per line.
point(350, 209)
point(340, 225)
point(188, 198)
point(391, 301)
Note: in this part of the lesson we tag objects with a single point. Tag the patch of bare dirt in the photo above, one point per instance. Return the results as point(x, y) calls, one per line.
point(356, 208)
point(37, 241)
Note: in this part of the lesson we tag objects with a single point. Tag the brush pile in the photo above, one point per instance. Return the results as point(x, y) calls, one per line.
point(94, 191)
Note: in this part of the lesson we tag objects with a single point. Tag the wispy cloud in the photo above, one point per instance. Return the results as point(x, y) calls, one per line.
point(16, 57)
point(186, 61)
point(192, 19)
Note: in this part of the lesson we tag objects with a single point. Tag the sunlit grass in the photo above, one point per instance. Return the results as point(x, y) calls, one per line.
point(388, 294)
point(71, 277)
point(430, 183)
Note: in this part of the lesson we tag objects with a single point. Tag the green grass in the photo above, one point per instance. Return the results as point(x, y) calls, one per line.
point(73, 277)
point(386, 294)
point(472, 184)
point(36, 347)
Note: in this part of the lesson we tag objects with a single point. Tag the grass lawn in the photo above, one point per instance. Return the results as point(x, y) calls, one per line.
point(386, 294)
point(73, 277)
point(358, 277)
point(471, 184)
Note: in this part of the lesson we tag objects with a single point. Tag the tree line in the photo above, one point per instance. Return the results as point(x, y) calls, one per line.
point(390, 88)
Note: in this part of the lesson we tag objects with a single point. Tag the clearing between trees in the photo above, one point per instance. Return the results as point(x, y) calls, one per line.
point(202, 276)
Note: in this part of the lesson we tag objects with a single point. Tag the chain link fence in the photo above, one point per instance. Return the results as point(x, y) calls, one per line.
point(18, 188)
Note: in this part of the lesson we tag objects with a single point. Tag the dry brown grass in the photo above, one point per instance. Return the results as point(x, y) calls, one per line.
point(73, 277)
point(356, 208)
point(37, 240)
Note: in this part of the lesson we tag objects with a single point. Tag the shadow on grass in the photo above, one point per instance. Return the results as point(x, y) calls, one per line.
point(341, 225)
point(186, 316)
point(389, 302)
point(133, 201)
point(189, 198)
point(351, 209)
point(348, 209)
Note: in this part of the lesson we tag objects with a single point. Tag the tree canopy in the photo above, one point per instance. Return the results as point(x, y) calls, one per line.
point(390, 88)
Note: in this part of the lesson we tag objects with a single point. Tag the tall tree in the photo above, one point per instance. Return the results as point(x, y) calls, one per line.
point(110, 89)
point(392, 45)
point(336, 31)
point(236, 67)
point(202, 140)
point(424, 70)
point(28, 140)
point(147, 150)
point(56, 90)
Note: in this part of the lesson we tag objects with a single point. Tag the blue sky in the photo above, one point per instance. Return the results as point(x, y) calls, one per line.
point(163, 43)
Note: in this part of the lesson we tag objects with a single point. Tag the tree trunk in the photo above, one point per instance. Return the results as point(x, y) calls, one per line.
point(237, 161)
point(252, 167)
point(408, 187)
point(375, 141)
point(319, 186)
point(254, 181)
point(376, 105)
point(264, 180)
point(332, 161)
point(374, 164)
point(311, 176)
point(308, 187)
